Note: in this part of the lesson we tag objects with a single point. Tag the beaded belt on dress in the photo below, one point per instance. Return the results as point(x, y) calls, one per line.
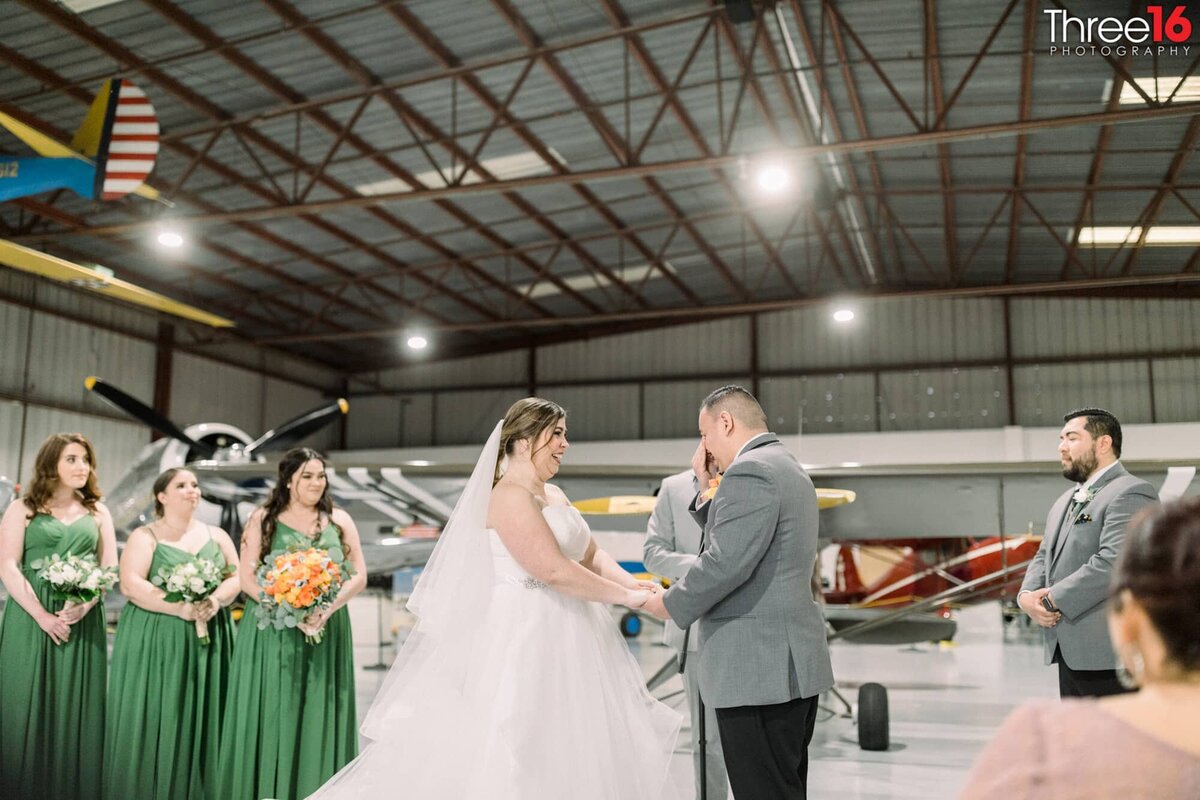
point(528, 582)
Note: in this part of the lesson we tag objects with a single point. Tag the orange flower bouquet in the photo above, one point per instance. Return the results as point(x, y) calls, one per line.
point(298, 583)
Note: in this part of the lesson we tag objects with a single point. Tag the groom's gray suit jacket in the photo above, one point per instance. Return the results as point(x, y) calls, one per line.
point(1075, 559)
point(762, 636)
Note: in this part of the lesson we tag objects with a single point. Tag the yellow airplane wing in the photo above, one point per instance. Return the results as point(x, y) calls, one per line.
point(42, 144)
point(55, 268)
point(832, 498)
point(629, 504)
point(638, 504)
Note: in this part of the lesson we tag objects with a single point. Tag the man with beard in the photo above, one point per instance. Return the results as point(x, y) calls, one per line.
point(1067, 582)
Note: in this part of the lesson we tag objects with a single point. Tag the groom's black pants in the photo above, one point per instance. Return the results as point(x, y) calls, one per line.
point(766, 749)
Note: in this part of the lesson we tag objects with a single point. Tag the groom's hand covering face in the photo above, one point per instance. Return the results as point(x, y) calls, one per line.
point(703, 464)
point(714, 434)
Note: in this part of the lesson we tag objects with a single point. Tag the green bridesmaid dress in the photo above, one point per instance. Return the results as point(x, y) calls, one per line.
point(167, 696)
point(52, 697)
point(290, 722)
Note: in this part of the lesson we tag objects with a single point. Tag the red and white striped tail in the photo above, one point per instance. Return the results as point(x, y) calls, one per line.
point(134, 143)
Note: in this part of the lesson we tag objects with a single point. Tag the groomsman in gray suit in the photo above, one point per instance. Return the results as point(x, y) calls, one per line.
point(1067, 582)
point(763, 655)
point(671, 548)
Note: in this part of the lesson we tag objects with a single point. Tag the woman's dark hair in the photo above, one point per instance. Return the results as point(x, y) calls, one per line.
point(526, 419)
point(281, 495)
point(1160, 566)
point(160, 485)
point(45, 473)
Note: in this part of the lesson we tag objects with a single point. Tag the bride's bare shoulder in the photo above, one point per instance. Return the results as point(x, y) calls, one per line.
point(511, 497)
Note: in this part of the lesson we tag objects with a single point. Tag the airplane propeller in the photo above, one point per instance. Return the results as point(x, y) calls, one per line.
point(140, 411)
point(278, 438)
point(296, 429)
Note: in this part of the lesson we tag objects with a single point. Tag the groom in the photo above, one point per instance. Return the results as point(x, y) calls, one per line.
point(763, 655)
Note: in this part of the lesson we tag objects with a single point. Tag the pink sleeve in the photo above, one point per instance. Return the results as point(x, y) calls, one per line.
point(1012, 766)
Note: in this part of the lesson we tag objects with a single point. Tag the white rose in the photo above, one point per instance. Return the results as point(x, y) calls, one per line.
point(91, 582)
point(189, 569)
point(175, 583)
point(197, 585)
point(1081, 495)
point(71, 574)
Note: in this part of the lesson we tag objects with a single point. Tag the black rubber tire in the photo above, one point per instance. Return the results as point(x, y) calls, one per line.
point(873, 733)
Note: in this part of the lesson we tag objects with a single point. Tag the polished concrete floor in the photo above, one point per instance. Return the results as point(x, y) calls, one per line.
point(945, 701)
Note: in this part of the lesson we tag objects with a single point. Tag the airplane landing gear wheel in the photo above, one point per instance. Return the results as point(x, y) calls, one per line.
point(873, 731)
point(631, 625)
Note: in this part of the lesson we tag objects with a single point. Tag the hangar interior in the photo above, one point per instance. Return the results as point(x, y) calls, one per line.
point(433, 208)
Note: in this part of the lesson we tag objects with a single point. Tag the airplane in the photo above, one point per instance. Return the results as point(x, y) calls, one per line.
point(111, 156)
point(397, 520)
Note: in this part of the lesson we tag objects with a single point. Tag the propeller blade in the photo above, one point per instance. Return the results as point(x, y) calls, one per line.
point(296, 429)
point(144, 413)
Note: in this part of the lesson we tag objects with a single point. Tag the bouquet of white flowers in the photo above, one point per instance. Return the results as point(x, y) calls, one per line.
point(76, 579)
point(190, 582)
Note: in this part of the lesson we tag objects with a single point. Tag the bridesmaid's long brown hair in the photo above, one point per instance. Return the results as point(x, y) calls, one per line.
point(281, 495)
point(45, 474)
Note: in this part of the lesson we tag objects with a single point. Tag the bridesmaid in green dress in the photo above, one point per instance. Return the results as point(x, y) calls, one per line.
point(53, 661)
point(168, 689)
point(290, 722)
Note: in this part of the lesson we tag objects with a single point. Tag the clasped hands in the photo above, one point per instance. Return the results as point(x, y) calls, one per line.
point(201, 610)
point(314, 622)
point(647, 596)
point(57, 624)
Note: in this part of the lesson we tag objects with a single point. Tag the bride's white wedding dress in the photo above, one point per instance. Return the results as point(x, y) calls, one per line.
point(550, 704)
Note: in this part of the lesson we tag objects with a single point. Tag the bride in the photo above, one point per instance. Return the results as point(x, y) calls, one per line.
point(515, 683)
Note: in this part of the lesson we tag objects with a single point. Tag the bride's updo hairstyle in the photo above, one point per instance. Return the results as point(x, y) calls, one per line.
point(525, 419)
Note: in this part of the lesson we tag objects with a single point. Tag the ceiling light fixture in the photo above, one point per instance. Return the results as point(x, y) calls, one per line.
point(1157, 236)
point(1184, 89)
point(417, 342)
point(843, 315)
point(774, 178)
point(171, 239)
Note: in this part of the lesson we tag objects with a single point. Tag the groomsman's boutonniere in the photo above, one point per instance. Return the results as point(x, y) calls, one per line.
point(712, 488)
point(1083, 496)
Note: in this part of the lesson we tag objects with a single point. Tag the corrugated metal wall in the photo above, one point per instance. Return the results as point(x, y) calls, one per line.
point(11, 422)
point(203, 390)
point(670, 408)
point(837, 403)
point(64, 353)
point(900, 331)
point(69, 336)
point(669, 352)
point(390, 421)
point(1043, 394)
point(1048, 327)
point(1176, 389)
point(469, 416)
point(934, 399)
point(599, 412)
point(902, 364)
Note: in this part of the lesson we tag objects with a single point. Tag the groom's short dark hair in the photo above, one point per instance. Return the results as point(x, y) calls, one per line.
point(1099, 423)
point(738, 401)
